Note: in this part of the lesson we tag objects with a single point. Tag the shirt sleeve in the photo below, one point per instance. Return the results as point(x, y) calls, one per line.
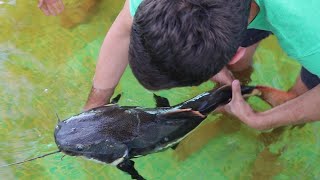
point(312, 63)
point(134, 4)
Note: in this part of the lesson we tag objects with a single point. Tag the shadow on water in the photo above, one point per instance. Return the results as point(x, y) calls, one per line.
point(266, 164)
point(224, 125)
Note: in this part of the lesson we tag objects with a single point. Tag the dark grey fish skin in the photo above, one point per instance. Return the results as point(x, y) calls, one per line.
point(115, 134)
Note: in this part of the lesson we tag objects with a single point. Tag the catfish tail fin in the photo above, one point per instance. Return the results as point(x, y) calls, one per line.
point(274, 96)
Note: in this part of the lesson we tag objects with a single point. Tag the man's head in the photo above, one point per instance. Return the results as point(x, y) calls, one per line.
point(185, 42)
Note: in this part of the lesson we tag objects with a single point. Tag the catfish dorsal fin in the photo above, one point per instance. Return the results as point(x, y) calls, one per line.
point(161, 101)
point(115, 99)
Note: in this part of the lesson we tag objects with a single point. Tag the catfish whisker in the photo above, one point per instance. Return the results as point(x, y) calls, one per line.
point(63, 157)
point(6, 165)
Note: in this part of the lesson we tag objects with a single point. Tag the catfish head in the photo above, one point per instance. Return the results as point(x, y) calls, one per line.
point(84, 135)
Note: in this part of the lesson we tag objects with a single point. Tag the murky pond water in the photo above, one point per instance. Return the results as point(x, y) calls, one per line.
point(46, 67)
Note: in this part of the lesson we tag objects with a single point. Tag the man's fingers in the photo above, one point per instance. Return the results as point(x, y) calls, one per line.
point(226, 108)
point(236, 92)
point(61, 5)
point(223, 77)
point(51, 10)
point(220, 109)
point(44, 8)
point(56, 8)
point(51, 7)
point(40, 3)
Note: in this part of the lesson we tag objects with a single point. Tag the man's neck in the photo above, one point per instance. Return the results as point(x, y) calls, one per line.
point(254, 10)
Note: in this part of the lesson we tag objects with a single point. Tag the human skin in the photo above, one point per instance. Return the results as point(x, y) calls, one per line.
point(301, 109)
point(112, 60)
point(51, 7)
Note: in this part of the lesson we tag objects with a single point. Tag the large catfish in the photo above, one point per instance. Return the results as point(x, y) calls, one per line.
point(115, 134)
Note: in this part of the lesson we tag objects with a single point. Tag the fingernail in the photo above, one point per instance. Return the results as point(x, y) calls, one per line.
point(235, 82)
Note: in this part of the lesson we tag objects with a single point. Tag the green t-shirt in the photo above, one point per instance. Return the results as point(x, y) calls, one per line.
point(294, 22)
point(296, 25)
point(134, 6)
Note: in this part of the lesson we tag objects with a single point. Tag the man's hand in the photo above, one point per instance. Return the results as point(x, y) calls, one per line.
point(241, 109)
point(98, 97)
point(51, 7)
point(223, 77)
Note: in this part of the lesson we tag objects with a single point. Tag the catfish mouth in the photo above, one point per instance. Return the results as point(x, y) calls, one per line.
point(70, 153)
point(87, 155)
point(76, 153)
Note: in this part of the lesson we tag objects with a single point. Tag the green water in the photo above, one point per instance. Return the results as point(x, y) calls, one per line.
point(46, 67)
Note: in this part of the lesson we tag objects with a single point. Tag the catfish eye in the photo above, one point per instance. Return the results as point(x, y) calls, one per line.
point(79, 147)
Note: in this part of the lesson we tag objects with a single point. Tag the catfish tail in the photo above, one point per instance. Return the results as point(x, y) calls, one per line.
point(274, 96)
point(209, 101)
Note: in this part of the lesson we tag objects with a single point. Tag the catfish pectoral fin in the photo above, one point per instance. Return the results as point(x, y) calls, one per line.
point(174, 147)
point(128, 167)
point(161, 101)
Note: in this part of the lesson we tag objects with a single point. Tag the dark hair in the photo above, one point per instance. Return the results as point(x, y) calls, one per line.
point(184, 42)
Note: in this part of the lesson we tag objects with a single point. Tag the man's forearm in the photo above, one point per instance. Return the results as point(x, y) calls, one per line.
point(113, 59)
point(302, 109)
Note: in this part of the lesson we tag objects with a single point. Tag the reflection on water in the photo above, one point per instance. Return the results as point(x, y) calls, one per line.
point(46, 67)
point(223, 125)
point(266, 165)
point(11, 2)
point(79, 12)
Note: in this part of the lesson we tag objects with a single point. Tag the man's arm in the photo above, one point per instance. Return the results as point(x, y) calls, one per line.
point(302, 109)
point(112, 61)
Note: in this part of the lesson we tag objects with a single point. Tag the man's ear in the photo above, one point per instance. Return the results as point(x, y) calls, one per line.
point(239, 55)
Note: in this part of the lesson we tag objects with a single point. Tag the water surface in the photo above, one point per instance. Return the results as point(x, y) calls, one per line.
point(46, 67)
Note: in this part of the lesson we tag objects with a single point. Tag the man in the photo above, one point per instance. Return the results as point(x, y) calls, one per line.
point(184, 43)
